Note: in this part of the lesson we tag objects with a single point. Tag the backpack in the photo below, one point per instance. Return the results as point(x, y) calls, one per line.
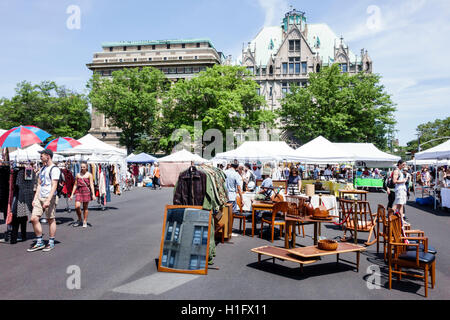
point(389, 182)
point(61, 182)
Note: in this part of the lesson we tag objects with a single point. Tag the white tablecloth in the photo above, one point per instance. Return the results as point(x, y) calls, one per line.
point(329, 202)
point(445, 195)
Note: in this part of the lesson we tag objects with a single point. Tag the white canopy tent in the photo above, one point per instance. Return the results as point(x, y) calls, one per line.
point(259, 150)
point(320, 150)
point(429, 162)
point(31, 153)
point(369, 154)
point(92, 145)
point(439, 152)
point(171, 166)
point(183, 156)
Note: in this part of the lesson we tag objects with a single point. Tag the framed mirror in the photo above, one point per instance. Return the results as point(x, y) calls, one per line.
point(185, 240)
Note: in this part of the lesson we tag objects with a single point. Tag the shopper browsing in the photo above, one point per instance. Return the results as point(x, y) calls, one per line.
point(84, 191)
point(45, 201)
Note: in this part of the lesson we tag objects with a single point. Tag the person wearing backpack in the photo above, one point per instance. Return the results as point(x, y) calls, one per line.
point(85, 192)
point(45, 201)
point(389, 186)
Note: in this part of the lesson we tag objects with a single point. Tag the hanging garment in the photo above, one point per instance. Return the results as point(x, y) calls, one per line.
point(69, 182)
point(25, 193)
point(191, 188)
point(4, 189)
point(108, 189)
point(10, 197)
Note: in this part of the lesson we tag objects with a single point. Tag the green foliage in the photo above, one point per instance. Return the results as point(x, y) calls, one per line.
point(340, 107)
point(222, 97)
point(53, 108)
point(429, 131)
point(130, 100)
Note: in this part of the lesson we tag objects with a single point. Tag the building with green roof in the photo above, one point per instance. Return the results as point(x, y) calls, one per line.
point(281, 55)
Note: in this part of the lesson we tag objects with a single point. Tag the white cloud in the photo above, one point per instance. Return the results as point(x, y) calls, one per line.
point(409, 50)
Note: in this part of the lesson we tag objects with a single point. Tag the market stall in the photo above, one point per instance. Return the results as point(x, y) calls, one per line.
point(31, 154)
point(440, 152)
point(171, 166)
point(141, 158)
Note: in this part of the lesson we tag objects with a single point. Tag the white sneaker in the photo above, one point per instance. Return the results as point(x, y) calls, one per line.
point(85, 225)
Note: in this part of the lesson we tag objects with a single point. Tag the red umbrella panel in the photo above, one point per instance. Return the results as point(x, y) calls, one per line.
point(61, 144)
point(23, 136)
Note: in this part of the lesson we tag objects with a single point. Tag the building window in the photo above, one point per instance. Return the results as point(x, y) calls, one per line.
point(172, 259)
point(183, 45)
point(164, 258)
point(135, 59)
point(263, 71)
point(344, 68)
point(169, 232)
point(153, 47)
point(284, 89)
point(180, 58)
point(251, 69)
point(196, 70)
point(258, 91)
point(139, 48)
point(176, 235)
point(202, 68)
point(165, 58)
point(285, 67)
point(270, 91)
point(291, 65)
point(304, 67)
point(294, 45)
point(120, 60)
point(168, 46)
point(197, 239)
point(124, 48)
point(106, 60)
point(172, 70)
point(149, 59)
point(188, 70)
point(271, 70)
point(195, 57)
point(198, 44)
point(110, 49)
point(180, 70)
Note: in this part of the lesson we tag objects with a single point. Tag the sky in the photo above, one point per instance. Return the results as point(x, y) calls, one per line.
point(407, 40)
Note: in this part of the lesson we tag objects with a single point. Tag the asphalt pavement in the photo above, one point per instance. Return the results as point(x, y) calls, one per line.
point(115, 258)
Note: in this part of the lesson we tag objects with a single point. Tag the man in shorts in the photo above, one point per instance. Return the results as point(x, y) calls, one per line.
point(45, 201)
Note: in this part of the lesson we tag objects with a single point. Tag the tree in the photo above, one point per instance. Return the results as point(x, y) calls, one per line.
point(221, 97)
point(55, 109)
point(130, 100)
point(429, 131)
point(340, 107)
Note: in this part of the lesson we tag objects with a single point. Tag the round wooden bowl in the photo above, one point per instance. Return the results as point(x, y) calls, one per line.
point(329, 245)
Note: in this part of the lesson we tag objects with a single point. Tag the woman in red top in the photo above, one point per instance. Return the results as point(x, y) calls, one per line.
point(84, 190)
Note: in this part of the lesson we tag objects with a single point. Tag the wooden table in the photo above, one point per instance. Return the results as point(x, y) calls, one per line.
point(282, 254)
point(314, 252)
point(259, 206)
point(290, 225)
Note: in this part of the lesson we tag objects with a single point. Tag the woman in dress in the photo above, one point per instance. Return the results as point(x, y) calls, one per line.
point(84, 190)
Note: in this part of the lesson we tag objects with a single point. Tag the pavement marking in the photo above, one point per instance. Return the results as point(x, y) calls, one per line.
point(156, 283)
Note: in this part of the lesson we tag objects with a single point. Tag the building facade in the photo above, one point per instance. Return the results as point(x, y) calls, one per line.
point(178, 59)
point(286, 54)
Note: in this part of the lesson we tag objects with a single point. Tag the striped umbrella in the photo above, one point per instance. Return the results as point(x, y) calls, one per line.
point(23, 136)
point(60, 144)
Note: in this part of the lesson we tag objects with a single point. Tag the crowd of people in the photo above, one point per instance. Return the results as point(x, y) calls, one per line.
point(139, 173)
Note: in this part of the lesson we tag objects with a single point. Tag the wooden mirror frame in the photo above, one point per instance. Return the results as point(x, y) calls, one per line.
point(166, 269)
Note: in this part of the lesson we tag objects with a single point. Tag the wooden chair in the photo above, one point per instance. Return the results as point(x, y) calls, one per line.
point(274, 220)
point(297, 208)
point(400, 256)
point(241, 215)
point(383, 230)
point(365, 221)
